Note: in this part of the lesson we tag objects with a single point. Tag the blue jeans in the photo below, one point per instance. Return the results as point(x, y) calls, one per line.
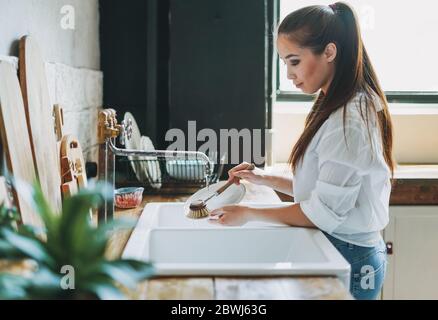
point(368, 267)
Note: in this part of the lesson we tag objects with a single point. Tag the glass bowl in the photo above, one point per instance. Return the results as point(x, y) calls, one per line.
point(128, 198)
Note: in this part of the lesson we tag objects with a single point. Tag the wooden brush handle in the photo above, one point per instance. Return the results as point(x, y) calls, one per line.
point(231, 182)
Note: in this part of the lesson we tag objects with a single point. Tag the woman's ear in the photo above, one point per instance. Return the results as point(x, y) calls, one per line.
point(330, 52)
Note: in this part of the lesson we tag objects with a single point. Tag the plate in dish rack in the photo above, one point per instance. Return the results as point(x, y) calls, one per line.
point(151, 166)
point(134, 144)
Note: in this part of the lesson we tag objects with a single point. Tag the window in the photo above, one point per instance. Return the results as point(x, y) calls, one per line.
point(400, 37)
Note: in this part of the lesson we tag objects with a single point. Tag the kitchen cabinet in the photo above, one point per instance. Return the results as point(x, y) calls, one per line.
point(412, 230)
point(412, 267)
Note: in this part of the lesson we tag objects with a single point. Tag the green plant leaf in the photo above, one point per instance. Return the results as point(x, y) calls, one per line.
point(31, 247)
point(96, 194)
point(45, 283)
point(9, 251)
point(71, 239)
point(120, 274)
point(13, 287)
point(139, 270)
point(29, 231)
point(33, 196)
point(104, 189)
point(128, 272)
point(103, 231)
point(8, 217)
point(74, 223)
point(106, 291)
point(78, 232)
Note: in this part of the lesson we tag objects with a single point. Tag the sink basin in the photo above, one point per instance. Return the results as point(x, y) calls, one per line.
point(171, 215)
point(181, 246)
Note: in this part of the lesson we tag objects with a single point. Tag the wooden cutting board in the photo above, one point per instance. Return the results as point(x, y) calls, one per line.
point(40, 121)
point(4, 198)
point(15, 138)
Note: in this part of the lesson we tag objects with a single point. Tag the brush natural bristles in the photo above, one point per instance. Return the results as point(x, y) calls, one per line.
point(198, 210)
point(198, 214)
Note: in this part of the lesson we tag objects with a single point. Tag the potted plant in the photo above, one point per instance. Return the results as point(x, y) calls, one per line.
point(68, 256)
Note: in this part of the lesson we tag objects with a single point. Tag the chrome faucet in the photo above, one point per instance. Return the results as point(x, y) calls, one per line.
point(108, 131)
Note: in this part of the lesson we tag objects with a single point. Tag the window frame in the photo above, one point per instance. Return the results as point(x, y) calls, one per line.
point(398, 97)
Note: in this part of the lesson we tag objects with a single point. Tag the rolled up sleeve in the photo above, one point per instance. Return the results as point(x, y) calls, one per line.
point(339, 182)
point(329, 203)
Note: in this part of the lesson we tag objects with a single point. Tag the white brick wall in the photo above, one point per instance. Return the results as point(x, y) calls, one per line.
point(80, 93)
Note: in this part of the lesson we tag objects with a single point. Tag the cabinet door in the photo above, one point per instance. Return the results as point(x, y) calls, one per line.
point(413, 266)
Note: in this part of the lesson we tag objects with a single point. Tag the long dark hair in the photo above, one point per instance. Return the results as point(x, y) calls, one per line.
point(316, 26)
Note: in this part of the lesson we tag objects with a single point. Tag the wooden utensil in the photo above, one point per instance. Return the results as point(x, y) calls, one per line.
point(73, 174)
point(58, 114)
point(39, 119)
point(72, 166)
point(15, 139)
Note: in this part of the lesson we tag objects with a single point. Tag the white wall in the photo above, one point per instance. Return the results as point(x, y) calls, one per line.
point(415, 131)
point(42, 20)
point(72, 56)
point(80, 93)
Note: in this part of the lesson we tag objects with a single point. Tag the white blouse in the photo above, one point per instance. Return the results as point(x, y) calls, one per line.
point(343, 186)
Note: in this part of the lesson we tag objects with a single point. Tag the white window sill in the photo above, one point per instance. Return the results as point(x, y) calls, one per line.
point(415, 128)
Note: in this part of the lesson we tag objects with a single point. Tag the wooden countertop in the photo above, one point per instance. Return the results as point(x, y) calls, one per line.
point(412, 184)
point(233, 288)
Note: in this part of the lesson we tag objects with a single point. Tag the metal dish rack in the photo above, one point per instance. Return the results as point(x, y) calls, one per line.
point(165, 172)
point(181, 179)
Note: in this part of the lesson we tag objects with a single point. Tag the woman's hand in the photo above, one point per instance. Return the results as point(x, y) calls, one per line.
point(255, 176)
point(231, 215)
point(282, 183)
point(237, 215)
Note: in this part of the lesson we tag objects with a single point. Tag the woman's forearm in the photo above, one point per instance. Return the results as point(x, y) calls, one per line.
point(291, 215)
point(281, 184)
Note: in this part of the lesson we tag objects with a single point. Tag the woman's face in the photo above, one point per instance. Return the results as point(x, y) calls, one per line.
point(309, 72)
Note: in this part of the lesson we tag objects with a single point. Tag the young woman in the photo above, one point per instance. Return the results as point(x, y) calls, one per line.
point(342, 163)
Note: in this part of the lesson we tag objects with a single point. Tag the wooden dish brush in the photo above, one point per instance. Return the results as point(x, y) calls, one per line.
point(198, 208)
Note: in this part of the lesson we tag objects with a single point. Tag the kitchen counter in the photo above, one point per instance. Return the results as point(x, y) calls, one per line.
point(415, 185)
point(233, 288)
point(412, 184)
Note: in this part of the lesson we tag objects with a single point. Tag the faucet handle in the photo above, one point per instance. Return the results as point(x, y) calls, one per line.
point(107, 125)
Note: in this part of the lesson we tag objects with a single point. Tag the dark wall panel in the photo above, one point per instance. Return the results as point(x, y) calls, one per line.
point(123, 41)
point(217, 64)
point(174, 61)
point(134, 57)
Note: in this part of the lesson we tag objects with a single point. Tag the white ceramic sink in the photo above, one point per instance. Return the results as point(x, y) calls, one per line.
point(171, 215)
point(181, 246)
